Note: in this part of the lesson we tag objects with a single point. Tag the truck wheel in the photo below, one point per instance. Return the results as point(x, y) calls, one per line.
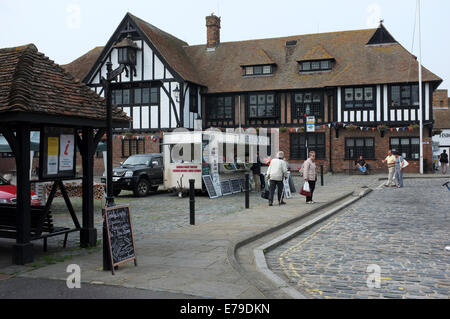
point(142, 188)
point(154, 188)
point(117, 192)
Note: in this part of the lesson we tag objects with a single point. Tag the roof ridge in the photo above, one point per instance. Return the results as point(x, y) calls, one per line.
point(155, 27)
point(289, 36)
point(29, 46)
point(20, 90)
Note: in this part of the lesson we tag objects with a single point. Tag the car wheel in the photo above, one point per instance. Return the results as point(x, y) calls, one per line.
point(142, 188)
point(117, 192)
point(154, 188)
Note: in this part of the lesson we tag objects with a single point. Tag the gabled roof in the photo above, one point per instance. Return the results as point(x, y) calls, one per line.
point(30, 82)
point(356, 63)
point(381, 36)
point(260, 57)
point(81, 66)
point(316, 53)
point(171, 49)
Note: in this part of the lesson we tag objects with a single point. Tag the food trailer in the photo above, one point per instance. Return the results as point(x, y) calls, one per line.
point(216, 161)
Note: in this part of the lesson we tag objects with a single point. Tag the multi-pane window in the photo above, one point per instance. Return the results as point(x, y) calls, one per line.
point(193, 99)
point(313, 66)
point(258, 70)
point(307, 104)
point(361, 97)
point(136, 103)
point(404, 95)
point(132, 147)
point(409, 147)
point(262, 106)
point(356, 147)
point(219, 108)
point(302, 144)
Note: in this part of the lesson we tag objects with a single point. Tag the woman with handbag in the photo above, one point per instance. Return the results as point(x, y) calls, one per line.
point(310, 175)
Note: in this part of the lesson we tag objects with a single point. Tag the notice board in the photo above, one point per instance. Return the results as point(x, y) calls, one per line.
point(57, 156)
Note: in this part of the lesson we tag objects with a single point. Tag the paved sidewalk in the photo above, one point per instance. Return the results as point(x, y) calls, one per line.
point(193, 260)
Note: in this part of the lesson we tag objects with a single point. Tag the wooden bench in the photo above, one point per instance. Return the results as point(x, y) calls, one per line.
point(41, 224)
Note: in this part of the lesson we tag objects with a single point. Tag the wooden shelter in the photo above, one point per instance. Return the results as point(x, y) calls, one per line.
point(36, 94)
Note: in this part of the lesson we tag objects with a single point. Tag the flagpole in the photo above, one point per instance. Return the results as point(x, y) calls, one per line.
point(420, 92)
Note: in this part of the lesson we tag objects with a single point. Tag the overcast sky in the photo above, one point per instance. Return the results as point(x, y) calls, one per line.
point(66, 29)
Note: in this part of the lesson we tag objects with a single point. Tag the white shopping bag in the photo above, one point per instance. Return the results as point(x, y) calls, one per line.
point(405, 164)
point(306, 187)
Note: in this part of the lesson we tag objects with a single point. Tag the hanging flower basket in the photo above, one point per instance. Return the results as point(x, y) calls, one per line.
point(382, 128)
point(352, 127)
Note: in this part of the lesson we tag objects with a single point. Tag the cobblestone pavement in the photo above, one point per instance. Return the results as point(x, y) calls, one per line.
point(403, 231)
point(162, 212)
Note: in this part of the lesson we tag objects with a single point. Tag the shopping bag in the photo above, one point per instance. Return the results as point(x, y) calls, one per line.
point(265, 194)
point(405, 164)
point(306, 191)
point(306, 187)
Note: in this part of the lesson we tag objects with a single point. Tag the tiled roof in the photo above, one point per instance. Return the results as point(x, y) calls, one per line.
point(260, 57)
point(30, 82)
point(316, 53)
point(171, 48)
point(81, 66)
point(356, 63)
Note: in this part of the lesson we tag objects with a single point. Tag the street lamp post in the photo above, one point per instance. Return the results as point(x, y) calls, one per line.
point(127, 58)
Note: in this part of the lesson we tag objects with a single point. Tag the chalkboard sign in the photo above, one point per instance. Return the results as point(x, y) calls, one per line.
point(120, 235)
point(226, 188)
point(236, 186)
point(210, 186)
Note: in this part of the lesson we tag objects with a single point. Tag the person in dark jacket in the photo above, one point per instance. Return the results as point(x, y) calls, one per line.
point(443, 158)
point(256, 169)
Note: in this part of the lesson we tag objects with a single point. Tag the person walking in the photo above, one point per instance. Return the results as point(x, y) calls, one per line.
point(310, 175)
point(399, 163)
point(390, 160)
point(443, 159)
point(275, 174)
point(256, 169)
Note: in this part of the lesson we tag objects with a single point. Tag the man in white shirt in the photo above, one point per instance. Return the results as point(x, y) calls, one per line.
point(275, 174)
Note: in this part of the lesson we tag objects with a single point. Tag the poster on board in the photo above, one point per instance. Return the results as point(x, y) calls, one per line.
point(52, 158)
point(67, 143)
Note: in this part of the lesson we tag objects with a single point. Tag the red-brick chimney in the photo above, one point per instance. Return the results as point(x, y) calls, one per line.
point(212, 31)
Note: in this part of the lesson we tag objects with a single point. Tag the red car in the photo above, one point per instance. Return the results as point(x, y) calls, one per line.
point(8, 194)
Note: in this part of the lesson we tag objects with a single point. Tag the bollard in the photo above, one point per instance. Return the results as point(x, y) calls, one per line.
point(192, 201)
point(321, 175)
point(247, 190)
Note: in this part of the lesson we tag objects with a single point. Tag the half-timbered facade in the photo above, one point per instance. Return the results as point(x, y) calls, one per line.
point(361, 86)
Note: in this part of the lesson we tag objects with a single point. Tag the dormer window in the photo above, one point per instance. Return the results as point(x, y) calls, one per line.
point(315, 66)
point(256, 70)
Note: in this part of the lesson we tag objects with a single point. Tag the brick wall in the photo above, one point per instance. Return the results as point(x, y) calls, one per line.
point(382, 145)
point(441, 110)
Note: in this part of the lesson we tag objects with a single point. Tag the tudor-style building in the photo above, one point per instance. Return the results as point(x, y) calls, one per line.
point(361, 86)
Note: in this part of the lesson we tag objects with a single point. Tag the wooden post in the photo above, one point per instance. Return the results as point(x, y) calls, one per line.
point(88, 233)
point(23, 249)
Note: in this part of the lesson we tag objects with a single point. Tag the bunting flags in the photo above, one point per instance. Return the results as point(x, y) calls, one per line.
point(135, 137)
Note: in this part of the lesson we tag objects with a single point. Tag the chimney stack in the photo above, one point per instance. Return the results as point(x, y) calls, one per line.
point(212, 31)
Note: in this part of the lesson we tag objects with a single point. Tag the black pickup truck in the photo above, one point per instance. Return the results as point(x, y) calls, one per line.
point(140, 174)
